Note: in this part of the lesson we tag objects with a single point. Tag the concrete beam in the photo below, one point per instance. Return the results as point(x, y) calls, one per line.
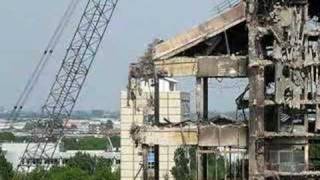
point(170, 136)
point(203, 32)
point(223, 136)
point(205, 66)
point(209, 135)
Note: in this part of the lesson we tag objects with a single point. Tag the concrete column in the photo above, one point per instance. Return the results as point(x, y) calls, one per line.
point(199, 99)
point(145, 161)
point(157, 164)
point(257, 96)
point(205, 98)
point(306, 156)
point(156, 99)
point(202, 98)
point(199, 166)
point(256, 123)
point(202, 114)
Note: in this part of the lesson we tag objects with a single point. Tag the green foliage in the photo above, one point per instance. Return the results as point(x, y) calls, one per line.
point(315, 155)
point(10, 137)
point(37, 174)
point(89, 143)
point(103, 170)
point(96, 167)
point(182, 171)
point(7, 137)
point(6, 170)
point(29, 126)
point(86, 143)
point(115, 141)
point(185, 164)
point(216, 167)
point(109, 125)
point(22, 139)
point(67, 173)
point(84, 162)
point(80, 167)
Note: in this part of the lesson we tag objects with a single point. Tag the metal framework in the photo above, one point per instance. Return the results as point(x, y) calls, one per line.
point(69, 81)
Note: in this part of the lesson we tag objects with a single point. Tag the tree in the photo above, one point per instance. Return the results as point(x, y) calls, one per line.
point(98, 168)
point(115, 141)
point(80, 167)
point(106, 174)
point(7, 137)
point(6, 170)
point(85, 143)
point(183, 159)
point(103, 170)
point(83, 161)
point(109, 125)
point(36, 174)
point(68, 173)
point(216, 168)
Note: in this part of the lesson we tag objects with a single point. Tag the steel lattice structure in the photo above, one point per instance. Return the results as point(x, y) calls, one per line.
point(68, 83)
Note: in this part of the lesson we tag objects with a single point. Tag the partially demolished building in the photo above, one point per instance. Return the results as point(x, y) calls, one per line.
point(275, 45)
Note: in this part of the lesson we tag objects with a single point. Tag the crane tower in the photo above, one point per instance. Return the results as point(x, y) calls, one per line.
point(63, 95)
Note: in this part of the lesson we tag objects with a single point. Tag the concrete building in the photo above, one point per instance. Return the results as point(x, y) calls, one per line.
point(276, 46)
point(173, 107)
point(13, 152)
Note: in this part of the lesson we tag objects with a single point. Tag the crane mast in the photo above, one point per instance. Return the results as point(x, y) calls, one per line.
point(63, 95)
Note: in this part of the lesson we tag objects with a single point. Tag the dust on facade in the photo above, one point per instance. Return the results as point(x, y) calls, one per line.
point(273, 44)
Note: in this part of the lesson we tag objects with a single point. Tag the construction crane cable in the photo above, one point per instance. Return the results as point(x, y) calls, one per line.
point(43, 60)
point(94, 32)
point(50, 49)
point(99, 26)
point(69, 81)
point(52, 44)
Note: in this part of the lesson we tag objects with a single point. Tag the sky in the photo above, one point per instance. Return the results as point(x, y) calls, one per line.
point(26, 27)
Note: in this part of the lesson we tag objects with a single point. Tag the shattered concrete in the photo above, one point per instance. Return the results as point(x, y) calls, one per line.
point(276, 45)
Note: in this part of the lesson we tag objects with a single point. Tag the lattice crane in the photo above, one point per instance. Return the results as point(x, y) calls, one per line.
point(49, 129)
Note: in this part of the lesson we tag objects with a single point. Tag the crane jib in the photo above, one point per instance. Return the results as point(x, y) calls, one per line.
point(68, 83)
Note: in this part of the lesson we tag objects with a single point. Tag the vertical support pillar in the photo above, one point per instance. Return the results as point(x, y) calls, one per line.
point(225, 163)
point(145, 161)
point(243, 169)
point(230, 163)
point(205, 98)
point(202, 114)
point(256, 123)
point(317, 117)
point(317, 98)
point(205, 117)
point(202, 98)
point(205, 166)
point(156, 166)
point(199, 111)
point(199, 165)
point(257, 97)
point(199, 99)
point(156, 99)
point(306, 156)
point(306, 147)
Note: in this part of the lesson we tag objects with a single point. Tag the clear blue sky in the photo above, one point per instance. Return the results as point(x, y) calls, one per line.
point(26, 27)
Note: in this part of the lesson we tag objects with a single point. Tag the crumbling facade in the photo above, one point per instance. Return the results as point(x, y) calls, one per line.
point(137, 159)
point(275, 45)
point(284, 87)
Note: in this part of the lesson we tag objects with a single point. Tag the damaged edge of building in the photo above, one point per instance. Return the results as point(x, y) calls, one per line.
point(273, 44)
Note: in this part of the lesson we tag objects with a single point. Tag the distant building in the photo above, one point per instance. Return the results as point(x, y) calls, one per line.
point(95, 127)
point(14, 151)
